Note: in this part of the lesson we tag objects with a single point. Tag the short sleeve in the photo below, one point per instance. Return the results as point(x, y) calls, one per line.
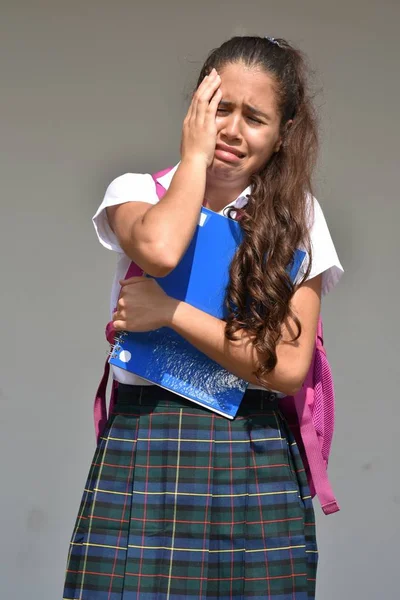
point(131, 187)
point(324, 256)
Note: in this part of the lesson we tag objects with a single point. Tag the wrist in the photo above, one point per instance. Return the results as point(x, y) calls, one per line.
point(195, 162)
point(171, 306)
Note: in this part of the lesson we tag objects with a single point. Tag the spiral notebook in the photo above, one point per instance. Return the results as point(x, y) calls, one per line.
point(165, 358)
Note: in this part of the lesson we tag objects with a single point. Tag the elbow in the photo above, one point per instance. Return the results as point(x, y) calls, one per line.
point(289, 385)
point(158, 271)
point(162, 259)
point(289, 374)
point(291, 388)
point(294, 383)
point(156, 259)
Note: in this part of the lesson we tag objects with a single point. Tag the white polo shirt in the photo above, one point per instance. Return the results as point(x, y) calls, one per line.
point(137, 187)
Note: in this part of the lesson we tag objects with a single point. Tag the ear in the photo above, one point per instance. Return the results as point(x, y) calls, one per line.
point(286, 128)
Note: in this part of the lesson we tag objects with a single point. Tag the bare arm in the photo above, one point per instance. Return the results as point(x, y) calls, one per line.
point(207, 334)
point(156, 236)
point(144, 306)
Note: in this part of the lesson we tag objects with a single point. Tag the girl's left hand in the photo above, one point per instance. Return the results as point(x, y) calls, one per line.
point(142, 306)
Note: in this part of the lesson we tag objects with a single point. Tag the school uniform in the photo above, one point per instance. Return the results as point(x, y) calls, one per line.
point(181, 503)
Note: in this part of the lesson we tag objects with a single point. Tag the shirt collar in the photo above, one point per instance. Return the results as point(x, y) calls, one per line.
point(240, 202)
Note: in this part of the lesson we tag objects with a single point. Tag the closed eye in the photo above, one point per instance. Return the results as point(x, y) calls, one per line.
point(255, 120)
point(225, 111)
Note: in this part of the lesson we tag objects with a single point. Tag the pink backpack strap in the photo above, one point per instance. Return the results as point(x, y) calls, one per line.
point(100, 407)
point(100, 414)
point(320, 336)
point(160, 190)
point(318, 468)
point(133, 271)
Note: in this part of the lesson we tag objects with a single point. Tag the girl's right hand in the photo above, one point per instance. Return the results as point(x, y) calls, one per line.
point(199, 134)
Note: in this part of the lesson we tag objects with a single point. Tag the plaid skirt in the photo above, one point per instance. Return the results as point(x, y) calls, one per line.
point(181, 503)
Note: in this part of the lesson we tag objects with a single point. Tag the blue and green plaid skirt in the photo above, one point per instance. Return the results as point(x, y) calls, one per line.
point(181, 503)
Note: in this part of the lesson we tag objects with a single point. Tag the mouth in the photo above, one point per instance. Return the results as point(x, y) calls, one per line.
point(228, 153)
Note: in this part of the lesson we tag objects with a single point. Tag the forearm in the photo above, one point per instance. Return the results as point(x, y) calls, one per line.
point(168, 226)
point(156, 236)
point(207, 334)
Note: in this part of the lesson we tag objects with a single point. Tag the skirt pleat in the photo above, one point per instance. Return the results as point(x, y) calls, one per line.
point(181, 503)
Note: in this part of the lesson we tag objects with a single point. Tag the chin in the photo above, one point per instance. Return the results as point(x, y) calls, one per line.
point(224, 169)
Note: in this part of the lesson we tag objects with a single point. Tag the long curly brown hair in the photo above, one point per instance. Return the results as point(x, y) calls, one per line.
point(276, 220)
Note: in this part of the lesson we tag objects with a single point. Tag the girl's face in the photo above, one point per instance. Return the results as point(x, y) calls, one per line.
point(248, 124)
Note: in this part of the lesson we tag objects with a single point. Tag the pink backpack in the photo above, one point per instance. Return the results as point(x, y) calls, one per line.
point(311, 417)
point(310, 413)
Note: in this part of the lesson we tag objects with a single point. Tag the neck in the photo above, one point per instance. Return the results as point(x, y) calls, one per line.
point(219, 193)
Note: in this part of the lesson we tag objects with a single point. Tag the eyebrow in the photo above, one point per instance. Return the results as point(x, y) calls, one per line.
point(252, 109)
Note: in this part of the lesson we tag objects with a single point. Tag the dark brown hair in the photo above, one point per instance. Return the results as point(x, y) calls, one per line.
point(276, 220)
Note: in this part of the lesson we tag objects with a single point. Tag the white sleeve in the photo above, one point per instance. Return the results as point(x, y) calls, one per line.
point(131, 187)
point(324, 256)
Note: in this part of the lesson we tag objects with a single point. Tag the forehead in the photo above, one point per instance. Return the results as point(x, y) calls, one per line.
point(241, 84)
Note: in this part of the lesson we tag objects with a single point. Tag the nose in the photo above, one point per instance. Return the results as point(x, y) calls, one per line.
point(231, 127)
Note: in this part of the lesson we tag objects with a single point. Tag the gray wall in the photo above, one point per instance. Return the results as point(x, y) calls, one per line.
point(93, 89)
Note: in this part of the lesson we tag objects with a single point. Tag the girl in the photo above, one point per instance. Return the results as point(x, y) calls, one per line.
point(182, 503)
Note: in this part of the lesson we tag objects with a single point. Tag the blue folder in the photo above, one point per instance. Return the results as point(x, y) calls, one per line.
point(165, 358)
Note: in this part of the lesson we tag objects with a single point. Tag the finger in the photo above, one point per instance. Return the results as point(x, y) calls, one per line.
point(196, 94)
point(206, 81)
point(120, 313)
point(124, 282)
point(120, 305)
point(206, 95)
point(203, 86)
point(192, 108)
point(189, 111)
point(119, 325)
point(214, 103)
point(203, 91)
